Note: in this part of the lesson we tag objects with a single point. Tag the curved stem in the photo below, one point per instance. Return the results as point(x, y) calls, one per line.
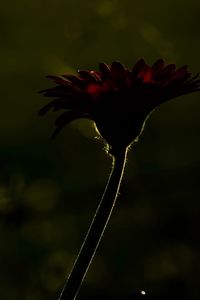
point(96, 229)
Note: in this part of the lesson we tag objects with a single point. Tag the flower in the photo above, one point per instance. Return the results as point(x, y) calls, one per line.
point(117, 99)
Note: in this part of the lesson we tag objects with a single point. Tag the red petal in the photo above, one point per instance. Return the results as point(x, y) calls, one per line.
point(166, 72)
point(94, 89)
point(157, 67)
point(118, 72)
point(87, 75)
point(97, 75)
point(138, 67)
point(59, 80)
point(105, 70)
point(147, 76)
point(74, 79)
point(181, 72)
point(60, 90)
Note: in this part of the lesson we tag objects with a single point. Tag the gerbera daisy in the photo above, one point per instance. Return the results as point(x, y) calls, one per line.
point(117, 99)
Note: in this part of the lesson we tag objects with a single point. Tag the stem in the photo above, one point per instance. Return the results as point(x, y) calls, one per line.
point(96, 229)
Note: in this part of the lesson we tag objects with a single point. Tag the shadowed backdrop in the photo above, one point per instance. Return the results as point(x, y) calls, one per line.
point(49, 190)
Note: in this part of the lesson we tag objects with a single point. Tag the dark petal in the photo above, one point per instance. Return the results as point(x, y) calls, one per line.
point(43, 91)
point(46, 108)
point(188, 90)
point(94, 89)
point(59, 80)
point(189, 86)
point(75, 80)
point(52, 92)
point(138, 67)
point(129, 77)
point(118, 72)
point(166, 72)
point(70, 102)
point(105, 71)
point(181, 74)
point(87, 75)
point(64, 119)
point(183, 90)
point(97, 75)
point(179, 77)
point(147, 75)
point(129, 72)
point(181, 83)
point(57, 104)
point(185, 77)
point(194, 78)
point(193, 81)
point(157, 67)
point(60, 90)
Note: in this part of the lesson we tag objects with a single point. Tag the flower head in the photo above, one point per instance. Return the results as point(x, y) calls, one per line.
point(117, 99)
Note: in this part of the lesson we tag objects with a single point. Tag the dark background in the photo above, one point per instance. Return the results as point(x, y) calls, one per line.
point(50, 190)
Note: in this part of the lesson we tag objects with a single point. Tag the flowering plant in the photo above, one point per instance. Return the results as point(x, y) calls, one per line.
point(118, 100)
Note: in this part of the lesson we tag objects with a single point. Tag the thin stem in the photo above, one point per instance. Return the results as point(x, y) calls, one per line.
point(96, 229)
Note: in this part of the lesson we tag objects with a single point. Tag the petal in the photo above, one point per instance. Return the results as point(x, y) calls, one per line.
point(157, 67)
point(58, 104)
point(179, 77)
point(118, 72)
point(87, 75)
point(75, 80)
point(70, 102)
point(193, 80)
point(147, 75)
point(46, 108)
point(189, 89)
point(59, 80)
point(166, 72)
point(105, 71)
point(138, 67)
point(97, 75)
point(60, 90)
point(94, 89)
point(181, 73)
point(191, 85)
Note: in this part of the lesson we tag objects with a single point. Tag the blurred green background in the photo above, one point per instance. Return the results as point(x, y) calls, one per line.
point(50, 190)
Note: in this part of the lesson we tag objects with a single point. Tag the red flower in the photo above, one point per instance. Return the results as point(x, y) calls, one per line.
point(117, 99)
